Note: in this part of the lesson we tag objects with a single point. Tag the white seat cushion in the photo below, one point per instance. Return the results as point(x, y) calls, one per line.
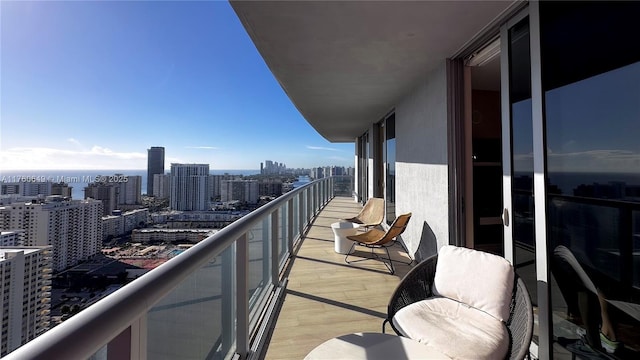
point(476, 278)
point(454, 329)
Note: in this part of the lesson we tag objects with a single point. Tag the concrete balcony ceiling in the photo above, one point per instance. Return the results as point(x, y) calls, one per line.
point(345, 64)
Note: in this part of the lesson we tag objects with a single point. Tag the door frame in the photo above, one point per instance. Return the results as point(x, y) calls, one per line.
point(543, 348)
point(460, 148)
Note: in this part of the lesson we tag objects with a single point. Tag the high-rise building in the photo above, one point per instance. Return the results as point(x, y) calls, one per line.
point(215, 184)
point(272, 168)
point(155, 165)
point(240, 190)
point(72, 227)
point(26, 188)
point(12, 188)
point(129, 189)
point(25, 295)
point(62, 189)
point(189, 186)
point(115, 192)
point(270, 187)
point(317, 173)
point(105, 192)
point(161, 187)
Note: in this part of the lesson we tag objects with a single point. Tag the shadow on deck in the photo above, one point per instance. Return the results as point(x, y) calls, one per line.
point(325, 297)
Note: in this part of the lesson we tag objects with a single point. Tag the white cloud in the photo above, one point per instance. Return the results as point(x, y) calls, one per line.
point(321, 148)
point(41, 158)
point(74, 141)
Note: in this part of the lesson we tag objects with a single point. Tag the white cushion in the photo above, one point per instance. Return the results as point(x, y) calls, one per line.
point(476, 278)
point(454, 329)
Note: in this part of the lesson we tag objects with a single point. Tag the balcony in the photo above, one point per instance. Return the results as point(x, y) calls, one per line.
point(267, 286)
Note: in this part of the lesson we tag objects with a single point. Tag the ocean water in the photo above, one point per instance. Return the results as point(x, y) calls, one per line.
point(569, 181)
point(78, 179)
point(301, 181)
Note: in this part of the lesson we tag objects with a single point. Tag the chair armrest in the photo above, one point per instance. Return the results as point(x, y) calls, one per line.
point(520, 323)
point(415, 286)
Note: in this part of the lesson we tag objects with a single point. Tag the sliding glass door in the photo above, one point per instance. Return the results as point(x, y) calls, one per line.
point(591, 90)
point(571, 173)
point(518, 171)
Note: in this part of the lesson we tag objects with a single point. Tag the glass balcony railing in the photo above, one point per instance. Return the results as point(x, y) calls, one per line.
point(213, 301)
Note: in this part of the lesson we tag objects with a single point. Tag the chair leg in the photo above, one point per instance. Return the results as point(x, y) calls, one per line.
point(374, 255)
point(349, 253)
point(383, 325)
point(391, 269)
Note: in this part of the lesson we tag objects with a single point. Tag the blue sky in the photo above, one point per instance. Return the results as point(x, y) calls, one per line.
point(94, 84)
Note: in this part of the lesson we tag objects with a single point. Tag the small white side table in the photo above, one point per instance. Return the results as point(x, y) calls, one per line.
point(341, 230)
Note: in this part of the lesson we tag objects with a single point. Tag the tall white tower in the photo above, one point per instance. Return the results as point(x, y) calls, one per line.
point(189, 185)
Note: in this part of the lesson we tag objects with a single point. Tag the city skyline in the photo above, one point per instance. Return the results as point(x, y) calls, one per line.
point(93, 85)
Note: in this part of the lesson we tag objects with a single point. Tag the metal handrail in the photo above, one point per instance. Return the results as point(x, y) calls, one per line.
point(85, 333)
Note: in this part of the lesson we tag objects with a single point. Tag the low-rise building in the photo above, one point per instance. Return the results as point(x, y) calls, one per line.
point(120, 224)
point(9, 238)
point(171, 235)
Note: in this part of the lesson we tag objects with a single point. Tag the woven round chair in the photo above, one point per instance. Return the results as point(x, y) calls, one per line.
point(417, 286)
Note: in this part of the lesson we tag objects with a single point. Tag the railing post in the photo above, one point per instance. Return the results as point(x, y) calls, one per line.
point(301, 212)
point(266, 250)
point(308, 212)
point(242, 296)
point(275, 268)
point(327, 190)
point(314, 190)
point(131, 343)
point(228, 311)
point(290, 227)
point(332, 188)
point(325, 193)
point(309, 204)
point(139, 339)
point(316, 199)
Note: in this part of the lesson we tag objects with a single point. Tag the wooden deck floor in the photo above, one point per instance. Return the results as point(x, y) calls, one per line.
point(325, 297)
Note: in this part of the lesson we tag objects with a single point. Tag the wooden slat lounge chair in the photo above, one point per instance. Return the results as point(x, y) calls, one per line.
point(372, 213)
point(376, 238)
